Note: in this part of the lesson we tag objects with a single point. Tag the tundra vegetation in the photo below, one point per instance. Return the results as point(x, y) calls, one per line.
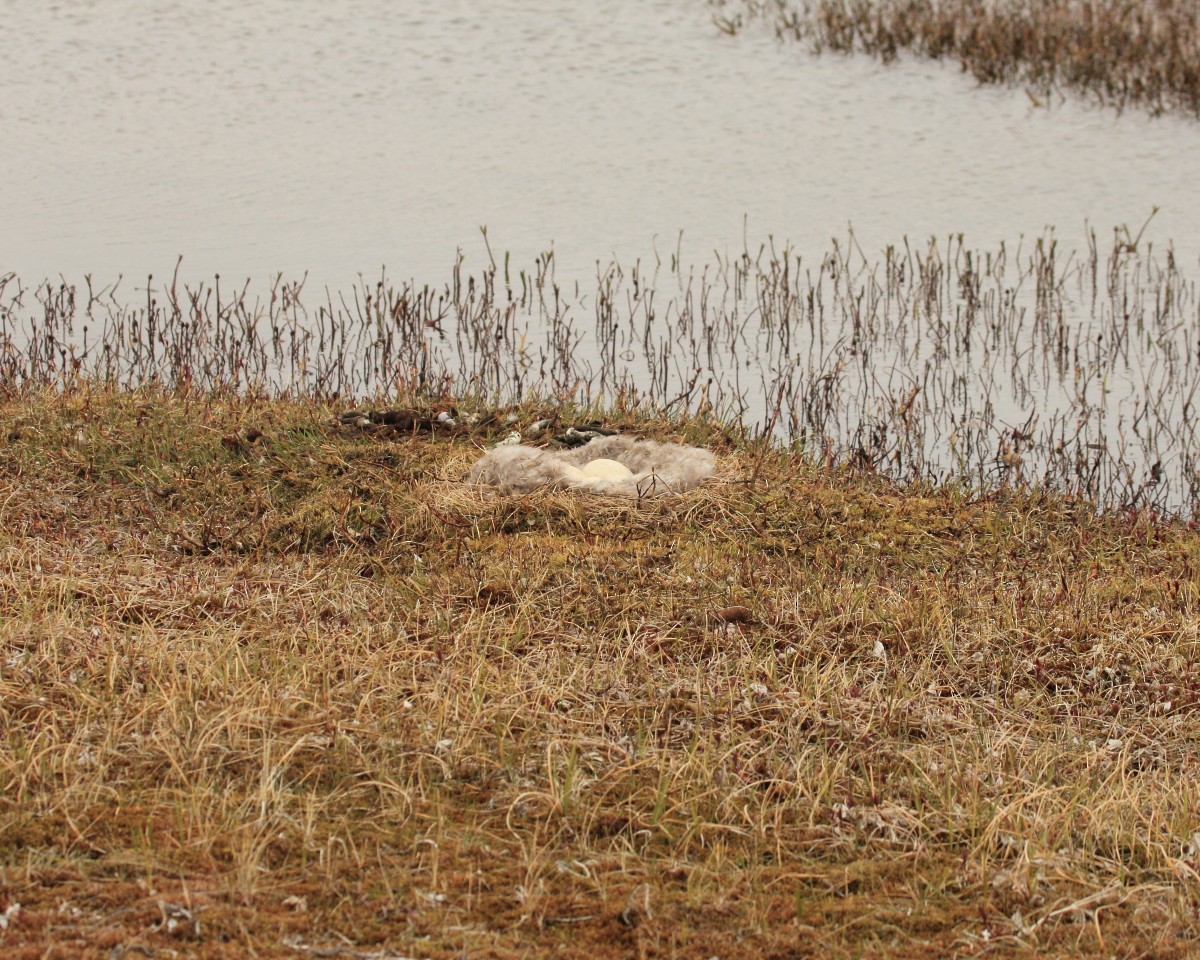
point(276, 685)
point(913, 674)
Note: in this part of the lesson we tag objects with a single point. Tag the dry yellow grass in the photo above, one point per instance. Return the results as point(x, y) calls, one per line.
point(304, 693)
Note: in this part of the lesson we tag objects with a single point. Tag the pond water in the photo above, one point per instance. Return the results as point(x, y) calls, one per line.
point(297, 135)
point(347, 142)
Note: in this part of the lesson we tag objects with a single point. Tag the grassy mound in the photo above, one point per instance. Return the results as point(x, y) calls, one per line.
point(275, 685)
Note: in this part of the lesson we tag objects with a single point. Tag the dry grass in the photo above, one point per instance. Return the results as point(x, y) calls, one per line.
point(1120, 52)
point(304, 693)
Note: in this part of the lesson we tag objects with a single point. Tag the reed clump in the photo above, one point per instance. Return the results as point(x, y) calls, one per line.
point(1144, 54)
point(276, 685)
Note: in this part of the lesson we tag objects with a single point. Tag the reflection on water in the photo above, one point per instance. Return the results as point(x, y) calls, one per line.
point(289, 136)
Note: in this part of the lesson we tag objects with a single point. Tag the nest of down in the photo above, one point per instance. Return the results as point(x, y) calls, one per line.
point(609, 466)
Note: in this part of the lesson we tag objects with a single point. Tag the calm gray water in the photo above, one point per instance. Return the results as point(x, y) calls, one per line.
point(258, 137)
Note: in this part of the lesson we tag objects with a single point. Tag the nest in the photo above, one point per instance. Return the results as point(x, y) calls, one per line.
point(615, 466)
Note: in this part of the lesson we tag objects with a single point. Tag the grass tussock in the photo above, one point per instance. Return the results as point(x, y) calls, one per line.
point(1122, 54)
point(276, 686)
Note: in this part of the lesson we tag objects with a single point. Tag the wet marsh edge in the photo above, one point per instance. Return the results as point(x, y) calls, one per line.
point(1029, 365)
point(1120, 54)
point(273, 683)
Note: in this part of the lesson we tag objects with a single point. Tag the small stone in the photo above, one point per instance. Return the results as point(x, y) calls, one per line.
point(734, 614)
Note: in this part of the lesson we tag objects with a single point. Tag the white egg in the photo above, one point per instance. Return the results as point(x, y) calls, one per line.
point(605, 469)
